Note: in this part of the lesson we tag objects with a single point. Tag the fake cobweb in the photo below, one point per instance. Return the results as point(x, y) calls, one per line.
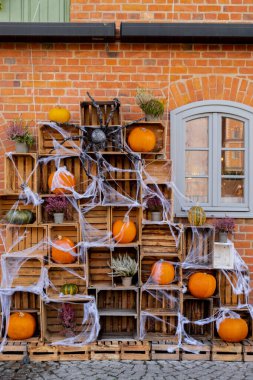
point(100, 190)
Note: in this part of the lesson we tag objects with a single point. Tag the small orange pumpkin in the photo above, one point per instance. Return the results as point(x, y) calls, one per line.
point(233, 330)
point(124, 232)
point(141, 139)
point(162, 272)
point(21, 326)
point(63, 257)
point(202, 285)
point(59, 115)
point(63, 179)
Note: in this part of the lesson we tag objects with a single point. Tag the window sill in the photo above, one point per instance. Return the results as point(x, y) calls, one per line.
point(220, 214)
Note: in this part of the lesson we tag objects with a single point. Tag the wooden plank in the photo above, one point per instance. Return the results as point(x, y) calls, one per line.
point(47, 135)
point(197, 352)
point(135, 351)
point(110, 350)
point(222, 351)
point(164, 350)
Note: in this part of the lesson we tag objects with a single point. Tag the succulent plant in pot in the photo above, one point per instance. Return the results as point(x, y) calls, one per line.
point(125, 267)
point(18, 131)
point(154, 204)
point(57, 207)
point(152, 107)
point(223, 227)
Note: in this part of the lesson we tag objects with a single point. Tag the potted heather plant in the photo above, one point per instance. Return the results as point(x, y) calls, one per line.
point(124, 267)
point(223, 227)
point(57, 207)
point(155, 206)
point(152, 107)
point(67, 317)
point(18, 131)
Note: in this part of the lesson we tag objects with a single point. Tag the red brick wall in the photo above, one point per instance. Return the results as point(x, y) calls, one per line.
point(35, 77)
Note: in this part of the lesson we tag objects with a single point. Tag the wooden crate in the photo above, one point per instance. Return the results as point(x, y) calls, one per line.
point(134, 214)
point(37, 334)
point(165, 350)
point(201, 351)
point(156, 300)
point(135, 350)
point(40, 352)
point(223, 351)
point(33, 237)
point(71, 214)
point(247, 350)
point(60, 276)
point(118, 302)
point(158, 327)
point(72, 164)
point(24, 273)
point(20, 168)
point(199, 245)
point(109, 350)
point(89, 113)
point(67, 353)
point(146, 264)
point(11, 202)
point(95, 223)
point(98, 261)
point(215, 273)
point(157, 171)
point(14, 351)
point(167, 193)
point(244, 314)
point(195, 310)
point(47, 135)
point(121, 167)
point(25, 301)
point(159, 130)
point(121, 193)
point(70, 231)
point(119, 327)
point(161, 240)
point(227, 296)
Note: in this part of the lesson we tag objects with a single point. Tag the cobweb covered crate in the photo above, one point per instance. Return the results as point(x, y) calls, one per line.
point(228, 285)
point(48, 136)
point(12, 202)
point(31, 239)
point(59, 276)
point(95, 223)
point(98, 259)
point(21, 169)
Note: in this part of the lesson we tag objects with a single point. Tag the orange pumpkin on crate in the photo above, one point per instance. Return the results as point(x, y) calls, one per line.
point(21, 326)
point(124, 232)
point(233, 330)
point(61, 256)
point(142, 139)
point(202, 285)
point(162, 272)
point(59, 115)
point(63, 178)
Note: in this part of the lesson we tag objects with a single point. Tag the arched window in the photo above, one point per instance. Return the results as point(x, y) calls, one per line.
point(212, 154)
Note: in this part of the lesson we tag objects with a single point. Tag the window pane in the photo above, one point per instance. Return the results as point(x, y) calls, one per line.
point(196, 133)
point(232, 162)
point(196, 189)
point(232, 190)
point(232, 133)
point(196, 163)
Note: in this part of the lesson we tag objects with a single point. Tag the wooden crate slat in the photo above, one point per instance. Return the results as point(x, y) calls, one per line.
point(34, 237)
point(20, 168)
point(165, 350)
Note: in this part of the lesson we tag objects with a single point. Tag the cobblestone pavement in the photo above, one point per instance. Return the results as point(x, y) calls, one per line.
point(127, 370)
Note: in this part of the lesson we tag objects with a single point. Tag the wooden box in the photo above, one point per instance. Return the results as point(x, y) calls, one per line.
point(135, 350)
point(244, 314)
point(157, 171)
point(121, 193)
point(31, 239)
point(60, 276)
point(224, 351)
point(95, 224)
point(48, 136)
point(11, 202)
point(71, 231)
point(195, 310)
point(165, 350)
point(71, 214)
point(134, 214)
point(98, 267)
point(121, 327)
point(227, 295)
point(120, 167)
point(223, 256)
point(25, 301)
point(158, 129)
point(146, 264)
point(20, 169)
point(89, 115)
point(160, 301)
point(108, 350)
point(199, 245)
point(165, 193)
point(118, 302)
point(158, 327)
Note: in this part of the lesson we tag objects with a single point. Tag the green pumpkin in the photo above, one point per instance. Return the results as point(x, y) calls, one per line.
point(196, 216)
point(20, 217)
point(69, 289)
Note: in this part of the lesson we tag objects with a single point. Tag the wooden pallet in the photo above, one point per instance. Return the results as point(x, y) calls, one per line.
point(135, 350)
point(40, 352)
point(14, 351)
point(108, 350)
point(165, 350)
point(223, 351)
point(20, 169)
point(197, 352)
point(47, 135)
point(247, 349)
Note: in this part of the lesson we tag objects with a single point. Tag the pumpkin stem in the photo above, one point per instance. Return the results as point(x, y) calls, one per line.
point(59, 237)
point(21, 314)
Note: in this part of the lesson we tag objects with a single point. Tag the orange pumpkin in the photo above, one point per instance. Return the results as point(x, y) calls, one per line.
point(233, 330)
point(63, 178)
point(63, 257)
point(21, 326)
point(202, 285)
point(162, 272)
point(59, 115)
point(124, 232)
point(141, 139)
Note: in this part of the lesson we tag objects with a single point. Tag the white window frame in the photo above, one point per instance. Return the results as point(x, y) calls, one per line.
point(213, 109)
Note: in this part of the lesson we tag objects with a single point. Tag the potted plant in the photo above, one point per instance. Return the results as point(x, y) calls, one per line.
point(223, 227)
point(18, 131)
point(124, 267)
point(152, 107)
point(67, 317)
point(155, 206)
point(57, 207)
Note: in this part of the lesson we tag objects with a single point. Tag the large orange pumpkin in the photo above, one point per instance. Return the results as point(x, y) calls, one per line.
point(124, 232)
point(233, 330)
point(59, 115)
point(21, 326)
point(63, 179)
point(63, 257)
point(202, 285)
point(141, 139)
point(162, 272)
